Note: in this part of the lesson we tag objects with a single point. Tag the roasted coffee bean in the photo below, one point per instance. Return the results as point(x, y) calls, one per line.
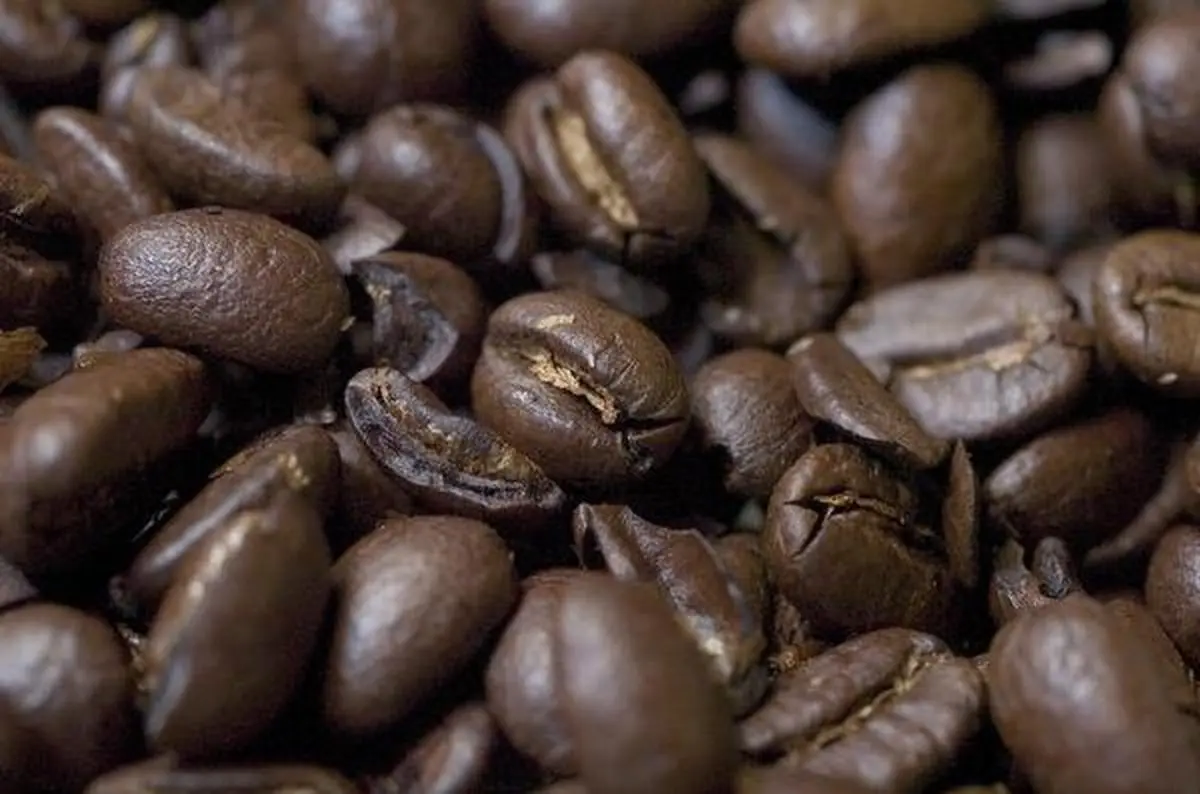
point(635, 204)
point(783, 127)
point(746, 412)
point(19, 351)
point(910, 200)
point(37, 291)
point(1017, 587)
point(1173, 589)
point(691, 575)
point(550, 34)
point(1147, 309)
point(1076, 275)
point(153, 40)
point(583, 271)
point(31, 210)
point(979, 356)
point(847, 545)
point(105, 13)
point(452, 182)
point(1041, 491)
point(231, 642)
point(1157, 65)
point(821, 37)
point(67, 693)
point(165, 777)
point(1061, 61)
point(1071, 663)
point(449, 462)
point(229, 283)
point(303, 460)
point(72, 455)
point(207, 149)
point(1012, 252)
point(99, 172)
point(43, 45)
point(361, 231)
point(1137, 620)
point(588, 393)
point(783, 264)
point(415, 601)
point(367, 495)
point(834, 387)
point(452, 759)
point(428, 318)
point(360, 56)
point(844, 714)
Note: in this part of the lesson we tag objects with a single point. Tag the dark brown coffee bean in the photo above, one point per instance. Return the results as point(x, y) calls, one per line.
point(742, 558)
point(65, 685)
point(550, 34)
point(100, 173)
point(162, 776)
point(1137, 620)
point(1064, 181)
point(782, 262)
point(36, 291)
point(588, 393)
point(232, 640)
point(71, 456)
point(820, 37)
point(782, 780)
point(1018, 586)
point(634, 204)
point(962, 508)
point(361, 231)
point(15, 590)
point(845, 714)
point(847, 545)
point(449, 462)
point(1071, 664)
point(623, 634)
point(834, 387)
point(233, 284)
point(978, 356)
point(1158, 65)
point(106, 13)
point(153, 40)
point(1061, 60)
point(689, 572)
point(240, 36)
point(1173, 589)
point(452, 759)
point(428, 318)
point(367, 495)
point(452, 182)
point(303, 460)
point(207, 149)
point(31, 210)
point(1148, 308)
point(415, 601)
point(43, 44)
point(361, 56)
point(746, 411)
point(910, 200)
point(1076, 275)
point(783, 127)
point(583, 271)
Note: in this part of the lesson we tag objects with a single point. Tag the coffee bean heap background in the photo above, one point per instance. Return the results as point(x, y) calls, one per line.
point(599, 396)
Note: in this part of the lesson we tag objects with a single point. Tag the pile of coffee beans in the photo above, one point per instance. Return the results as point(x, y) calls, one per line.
point(600, 396)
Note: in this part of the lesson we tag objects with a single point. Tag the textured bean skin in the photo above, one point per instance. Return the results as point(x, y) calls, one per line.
point(225, 281)
point(1173, 589)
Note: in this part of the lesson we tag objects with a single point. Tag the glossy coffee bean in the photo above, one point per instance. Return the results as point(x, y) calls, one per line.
point(1072, 664)
point(746, 412)
point(635, 204)
point(43, 44)
point(207, 149)
point(790, 132)
point(448, 462)
point(232, 639)
point(366, 495)
point(979, 356)
point(39, 292)
point(71, 456)
point(229, 283)
point(911, 201)
point(152, 40)
point(1158, 64)
point(1173, 588)
point(453, 757)
point(588, 393)
point(415, 601)
point(1146, 187)
point(1018, 586)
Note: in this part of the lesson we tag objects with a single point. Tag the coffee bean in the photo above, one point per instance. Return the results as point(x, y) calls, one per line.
point(784, 246)
point(1173, 588)
point(781, 780)
point(73, 454)
point(911, 201)
point(585, 272)
point(1071, 664)
point(367, 495)
point(302, 460)
point(361, 231)
point(15, 589)
point(38, 292)
point(635, 204)
point(843, 714)
point(106, 13)
point(746, 411)
point(19, 351)
point(1061, 61)
point(834, 387)
point(588, 393)
point(1157, 64)
point(152, 40)
point(1147, 311)
point(429, 316)
point(228, 283)
point(848, 546)
point(360, 56)
point(207, 149)
point(452, 758)
point(969, 364)
point(165, 777)
point(1137, 620)
point(814, 39)
point(449, 462)
point(1076, 275)
point(1017, 587)
point(783, 127)
point(415, 601)
point(689, 572)
point(31, 211)
point(43, 45)
point(232, 640)
point(66, 688)
point(100, 173)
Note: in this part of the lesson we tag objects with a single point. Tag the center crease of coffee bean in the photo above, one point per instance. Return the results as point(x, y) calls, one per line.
point(571, 132)
point(547, 370)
